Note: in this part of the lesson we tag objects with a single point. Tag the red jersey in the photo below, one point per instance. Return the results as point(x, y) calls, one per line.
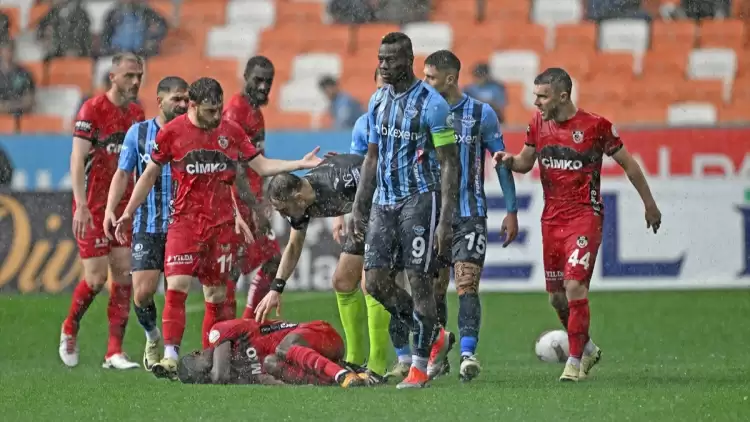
point(104, 124)
point(570, 162)
point(204, 165)
point(251, 342)
point(250, 119)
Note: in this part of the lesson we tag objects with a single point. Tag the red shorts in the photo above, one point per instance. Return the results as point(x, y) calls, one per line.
point(323, 338)
point(95, 243)
point(210, 259)
point(261, 250)
point(570, 251)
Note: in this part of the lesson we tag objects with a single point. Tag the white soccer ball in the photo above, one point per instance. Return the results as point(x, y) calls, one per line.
point(552, 346)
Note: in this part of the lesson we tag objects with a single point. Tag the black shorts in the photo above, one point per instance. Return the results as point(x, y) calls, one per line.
point(404, 234)
point(469, 240)
point(147, 251)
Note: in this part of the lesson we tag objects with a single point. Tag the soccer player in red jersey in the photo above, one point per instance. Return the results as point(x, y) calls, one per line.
point(242, 351)
point(100, 128)
point(569, 144)
point(244, 109)
point(205, 153)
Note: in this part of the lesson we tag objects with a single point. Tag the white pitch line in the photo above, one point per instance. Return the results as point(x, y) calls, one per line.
point(294, 299)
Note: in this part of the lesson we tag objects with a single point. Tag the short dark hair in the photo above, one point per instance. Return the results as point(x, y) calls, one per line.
point(186, 371)
point(327, 81)
point(171, 84)
point(255, 61)
point(206, 90)
point(399, 38)
point(481, 70)
point(123, 57)
point(443, 60)
point(282, 186)
point(557, 78)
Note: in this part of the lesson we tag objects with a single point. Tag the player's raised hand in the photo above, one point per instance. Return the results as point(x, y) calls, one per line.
point(339, 229)
point(270, 301)
point(509, 228)
point(121, 225)
point(355, 228)
point(504, 158)
point(110, 222)
point(241, 227)
point(653, 218)
point(311, 159)
point(82, 221)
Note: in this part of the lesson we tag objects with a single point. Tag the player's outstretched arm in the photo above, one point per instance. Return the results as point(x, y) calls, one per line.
point(244, 191)
point(289, 260)
point(142, 187)
point(271, 167)
point(221, 369)
point(638, 179)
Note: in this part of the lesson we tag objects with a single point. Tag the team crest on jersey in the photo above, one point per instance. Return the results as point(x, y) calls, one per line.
point(419, 230)
point(223, 141)
point(468, 122)
point(582, 241)
point(213, 336)
point(578, 136)
point(410, 112)
point(449, 120)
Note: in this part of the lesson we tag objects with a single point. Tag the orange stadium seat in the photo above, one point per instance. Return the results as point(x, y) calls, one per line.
point(577, 62)
point(581, 36)
point(362, 64)
point(7, 124)
point(678, 35)
point(71, 71)
point(326, 38)
point(368, 36)
point(522, 36)
point(644, 114)
point(37, 71)
point(14, 18)
point(454, 12)
point(507, 11)
point(614, 64)
point(299, 13)
point(711, 91)
point(737, 112)
point(741, 89)
point(40, 123)
point(165, 8)
point(654, 89)
point(278, 120)
point(603, 89)
point(516, 115)
point(37, 12)
point(665, 62)
point(728, 33)
point(203, 13)
point(360, 86)
point(481, 39)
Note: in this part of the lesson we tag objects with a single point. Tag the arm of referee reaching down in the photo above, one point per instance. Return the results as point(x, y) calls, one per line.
point(292, 252)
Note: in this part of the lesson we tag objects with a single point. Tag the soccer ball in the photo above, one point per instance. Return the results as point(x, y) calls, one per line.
point(552, 346)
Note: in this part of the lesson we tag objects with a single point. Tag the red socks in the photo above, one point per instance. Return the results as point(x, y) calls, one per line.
point(173, 317)
point(312, 361)
point(578, 326)
point(230, 305)
point(214, 313)
point(118, 309)
point(259, 288)
point(292, 374)
point(82, 298)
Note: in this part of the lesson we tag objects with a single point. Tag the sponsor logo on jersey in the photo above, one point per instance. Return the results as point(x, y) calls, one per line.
point(466, 139)
point(562, 164)
point(113, 148)
point(83, 126)
point(205, 168)
point(180, 259)
point(399, 134)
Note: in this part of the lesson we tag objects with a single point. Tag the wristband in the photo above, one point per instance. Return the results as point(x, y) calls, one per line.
point(278, 285)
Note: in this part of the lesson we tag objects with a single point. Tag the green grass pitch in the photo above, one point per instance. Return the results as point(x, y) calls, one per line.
point(668, 356)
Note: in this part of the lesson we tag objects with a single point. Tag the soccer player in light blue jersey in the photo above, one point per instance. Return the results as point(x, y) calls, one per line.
point(411, 167)
point(152, 217)
point(477, 131)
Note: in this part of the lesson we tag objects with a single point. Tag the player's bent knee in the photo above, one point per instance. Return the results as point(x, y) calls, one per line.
point(575, 290)
point(215, 294)
point(180, 283)
point(291, 339)
point(96, 272)
point(558, 300)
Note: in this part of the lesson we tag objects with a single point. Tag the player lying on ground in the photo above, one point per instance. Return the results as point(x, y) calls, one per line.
point(411, 154)
point(152, 217)
point(327, 191)
point(477, 130)
point(242, 351)
point(205, 153)
point(99, 131)
point(569, 144)
point(264, 252)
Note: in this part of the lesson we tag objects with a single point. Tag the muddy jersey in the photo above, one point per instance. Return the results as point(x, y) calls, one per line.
point(335, 183)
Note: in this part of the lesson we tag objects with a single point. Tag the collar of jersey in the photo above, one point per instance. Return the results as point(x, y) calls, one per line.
point(395, 96)
point(156, 122)
point(460, 104)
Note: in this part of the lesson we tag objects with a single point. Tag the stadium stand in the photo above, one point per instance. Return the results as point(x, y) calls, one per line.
point(641, 72)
